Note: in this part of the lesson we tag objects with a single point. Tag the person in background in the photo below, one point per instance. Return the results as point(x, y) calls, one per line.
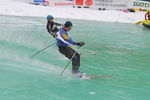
point(147, 16)
point(64, 43)
point(52, 26)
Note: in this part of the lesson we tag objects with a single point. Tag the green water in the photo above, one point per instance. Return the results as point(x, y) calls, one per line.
point(122, 50)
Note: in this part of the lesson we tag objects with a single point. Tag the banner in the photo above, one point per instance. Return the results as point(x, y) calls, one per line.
point(39, 2)
point(110, 4)
point(79, 2)
point(62, 2)
point(140, 4)
point(88, 2)
point(96, 4)
point(103, 4)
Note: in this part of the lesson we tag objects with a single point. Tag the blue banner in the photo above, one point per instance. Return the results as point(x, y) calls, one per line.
point(39, 1)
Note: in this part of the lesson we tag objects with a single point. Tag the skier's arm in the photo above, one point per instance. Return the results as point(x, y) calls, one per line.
point(69, 40)
point(58, 24)
point(48, 28)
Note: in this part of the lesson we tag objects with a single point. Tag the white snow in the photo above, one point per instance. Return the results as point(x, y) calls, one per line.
point(22, 8)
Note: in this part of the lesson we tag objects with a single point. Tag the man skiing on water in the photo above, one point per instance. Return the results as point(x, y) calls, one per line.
point(64, 42)
point(52, 26)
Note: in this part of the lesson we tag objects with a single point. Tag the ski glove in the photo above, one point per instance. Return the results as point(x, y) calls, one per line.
point(80, 43)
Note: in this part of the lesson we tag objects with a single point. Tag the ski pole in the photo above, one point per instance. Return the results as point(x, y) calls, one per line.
point(69, 62)
point(42, 49)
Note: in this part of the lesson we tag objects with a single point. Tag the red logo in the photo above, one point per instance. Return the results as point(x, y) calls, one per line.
point(89, 2)
point(79, 2)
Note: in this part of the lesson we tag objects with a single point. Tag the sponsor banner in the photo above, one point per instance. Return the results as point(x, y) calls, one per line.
point(140, 4)
point(39, 2)
point(96, 4)
point(79, 2)
point(88, 2)
point(84, 2)
point(62, 2)
point(102, 4)
point(110, 4)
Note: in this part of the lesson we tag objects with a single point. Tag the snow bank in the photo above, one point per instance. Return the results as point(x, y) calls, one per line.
point(22, 8)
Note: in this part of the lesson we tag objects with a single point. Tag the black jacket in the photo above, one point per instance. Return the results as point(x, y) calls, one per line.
point(52, 27)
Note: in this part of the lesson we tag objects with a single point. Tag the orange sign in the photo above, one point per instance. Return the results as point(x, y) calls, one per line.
point(89, 2)
point(79, 2)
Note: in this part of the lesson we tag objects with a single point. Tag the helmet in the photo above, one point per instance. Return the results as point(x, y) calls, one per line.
point(49, 17)
point(68, 24)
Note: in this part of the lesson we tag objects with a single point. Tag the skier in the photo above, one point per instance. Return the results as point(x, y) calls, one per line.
point(52, 26)
point(64, 42)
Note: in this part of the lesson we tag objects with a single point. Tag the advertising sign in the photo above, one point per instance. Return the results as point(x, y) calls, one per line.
point(79, 2)
point(89, 2)
point(143, 4)
point(39, 2)
point(111, 4)
point(62, 2)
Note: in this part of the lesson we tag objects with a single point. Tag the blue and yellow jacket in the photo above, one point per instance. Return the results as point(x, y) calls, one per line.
point(63, 39)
